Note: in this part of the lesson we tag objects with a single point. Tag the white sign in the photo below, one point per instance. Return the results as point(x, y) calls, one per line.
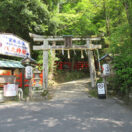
point(10, 90)
point(13, 46)
point(106, 69)
point(101, 88)
point(29, 72)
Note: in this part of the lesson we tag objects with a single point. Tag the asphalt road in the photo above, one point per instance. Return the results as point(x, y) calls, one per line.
point(70, 110)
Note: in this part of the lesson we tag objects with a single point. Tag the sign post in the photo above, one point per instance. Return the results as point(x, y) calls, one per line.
point(101, 90)
point(29, 75)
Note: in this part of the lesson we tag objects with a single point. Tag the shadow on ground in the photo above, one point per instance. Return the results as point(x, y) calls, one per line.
point(72, 111)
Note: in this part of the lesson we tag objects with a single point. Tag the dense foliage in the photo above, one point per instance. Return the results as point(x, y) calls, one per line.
point(113, 18)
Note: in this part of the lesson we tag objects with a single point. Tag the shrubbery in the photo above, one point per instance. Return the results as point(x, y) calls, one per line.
point(123, 74)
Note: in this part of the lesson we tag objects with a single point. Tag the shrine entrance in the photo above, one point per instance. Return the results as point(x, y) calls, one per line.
point(68, 40)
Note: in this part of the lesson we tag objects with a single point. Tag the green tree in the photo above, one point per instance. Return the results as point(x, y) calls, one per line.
point(128, 6)
point(22, 17)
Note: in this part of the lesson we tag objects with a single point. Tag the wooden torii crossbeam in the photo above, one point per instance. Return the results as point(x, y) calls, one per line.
point(45, 47)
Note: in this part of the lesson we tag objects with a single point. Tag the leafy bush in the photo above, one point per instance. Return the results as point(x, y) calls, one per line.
point(123, 76)
point(26, 91)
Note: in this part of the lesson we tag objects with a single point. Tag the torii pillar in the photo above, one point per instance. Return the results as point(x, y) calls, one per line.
point(91, 63)
point(45, 65)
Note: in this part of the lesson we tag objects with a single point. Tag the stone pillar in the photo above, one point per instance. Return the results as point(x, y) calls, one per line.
point(45, 65)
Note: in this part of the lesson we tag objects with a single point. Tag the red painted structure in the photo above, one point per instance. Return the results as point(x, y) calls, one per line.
point(80, 65)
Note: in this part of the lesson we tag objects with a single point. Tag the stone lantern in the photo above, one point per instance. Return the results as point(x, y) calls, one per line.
point(28, 63)
point(37, 78)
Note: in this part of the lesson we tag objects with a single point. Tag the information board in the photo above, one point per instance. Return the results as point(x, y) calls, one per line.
point(13, 46)
point(10, 90)
point(101, 88)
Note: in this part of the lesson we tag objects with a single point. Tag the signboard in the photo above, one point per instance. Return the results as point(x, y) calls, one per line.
point(13, 46)
point(106, 69)
point(7, 79)
point(10, 90)
point(101, 88)
point(29, 72)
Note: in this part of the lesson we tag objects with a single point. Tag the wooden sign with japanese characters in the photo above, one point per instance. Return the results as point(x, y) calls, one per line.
point(13, 46)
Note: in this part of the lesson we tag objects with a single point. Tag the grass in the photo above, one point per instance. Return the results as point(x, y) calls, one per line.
point(93, 93)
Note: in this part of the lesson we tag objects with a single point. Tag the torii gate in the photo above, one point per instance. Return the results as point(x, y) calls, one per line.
point(45, 47)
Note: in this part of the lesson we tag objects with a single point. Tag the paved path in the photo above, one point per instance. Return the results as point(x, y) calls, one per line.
point(70, 110)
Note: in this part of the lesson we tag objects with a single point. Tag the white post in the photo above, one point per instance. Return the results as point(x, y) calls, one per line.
point(45, 65)
point(91, 66)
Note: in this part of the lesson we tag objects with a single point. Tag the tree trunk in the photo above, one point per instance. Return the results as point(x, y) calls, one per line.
point(107, 19)
point(128, 7)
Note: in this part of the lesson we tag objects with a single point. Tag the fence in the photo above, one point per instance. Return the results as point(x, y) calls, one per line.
point(80, 65)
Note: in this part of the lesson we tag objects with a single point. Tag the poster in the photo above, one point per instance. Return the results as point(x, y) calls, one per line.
point(10, 90)
point(14, 46)
point(101, 88)
point(106, 69)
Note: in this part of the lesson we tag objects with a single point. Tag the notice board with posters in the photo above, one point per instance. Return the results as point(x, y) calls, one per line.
point(13, 45)
point(10, 90)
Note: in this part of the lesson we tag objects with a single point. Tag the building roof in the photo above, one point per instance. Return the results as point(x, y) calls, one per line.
point(28, 60)
point(10, 64)
point(105, 56)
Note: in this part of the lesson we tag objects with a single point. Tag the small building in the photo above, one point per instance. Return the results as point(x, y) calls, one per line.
point(10, 71)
